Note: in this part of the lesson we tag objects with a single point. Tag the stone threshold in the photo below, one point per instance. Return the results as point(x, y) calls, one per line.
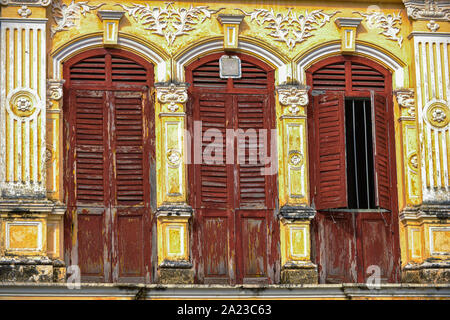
point(266, 292)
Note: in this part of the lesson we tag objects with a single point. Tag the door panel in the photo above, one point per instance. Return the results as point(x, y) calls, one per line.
point(111, 162)
point(91, 243)
point(253, 240)
point(375, 232)
point(216, 247)
point(109, 143)
point(336, 246)
point(236, 240)
point(348, 243)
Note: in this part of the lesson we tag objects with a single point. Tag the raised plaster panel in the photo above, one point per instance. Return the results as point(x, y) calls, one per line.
point(23, 236)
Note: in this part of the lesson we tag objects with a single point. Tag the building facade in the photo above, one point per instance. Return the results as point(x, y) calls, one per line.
point(229, 142)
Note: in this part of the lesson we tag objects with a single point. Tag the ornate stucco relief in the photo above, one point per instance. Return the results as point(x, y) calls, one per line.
point(388, 23)
point(438, 115)
point(292, 27)
point(172, 95)
point(54, 91)
point(24, 12)
point(293, 97)
point(169, 21)
point(427, 10)
point(43, 3)
point(405, 99)
point(65, 16)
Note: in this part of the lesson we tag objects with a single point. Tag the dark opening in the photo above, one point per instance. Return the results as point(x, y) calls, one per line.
point(359, 147)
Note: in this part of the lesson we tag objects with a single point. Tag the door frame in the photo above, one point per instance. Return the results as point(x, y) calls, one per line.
point(70, 228)
point(363, 93)
point(273, 252)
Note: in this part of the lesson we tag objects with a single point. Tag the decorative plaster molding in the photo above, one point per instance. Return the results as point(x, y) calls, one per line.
point(438, 115)
point(24, 12)
point(377, 19)
point(230, 18)
point(168, 21)
point(173, 157)
point(290, 28)
point(54, 91)
point(66, 15)
point(433, 26)
point(172, 94)
point(110, 14)
point(405, 99)
point(413, 162)
point(427, 10)
point(348, 22)
point(295, 158)
point(297, 212)
point(292, 96)
point(35, 3)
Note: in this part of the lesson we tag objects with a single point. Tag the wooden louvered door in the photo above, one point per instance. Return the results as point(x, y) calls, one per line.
point(235, 230)
point(350, 125)
point(329, 171)
point(109, 151)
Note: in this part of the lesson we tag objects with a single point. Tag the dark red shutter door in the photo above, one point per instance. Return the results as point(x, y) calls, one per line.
point(214, 177)
point(250, 119)
point(330, 178)
point(381, 150)
point(90, 146)
point(129, 147)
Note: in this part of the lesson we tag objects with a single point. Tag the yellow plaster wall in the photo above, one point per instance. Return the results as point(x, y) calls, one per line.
point(407, 132)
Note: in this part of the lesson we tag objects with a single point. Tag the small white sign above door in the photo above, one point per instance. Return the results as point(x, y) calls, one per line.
point(230, 67)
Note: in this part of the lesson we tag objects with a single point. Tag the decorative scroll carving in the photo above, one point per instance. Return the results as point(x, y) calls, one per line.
point(24, 12)
point(54, 91)
point(66, 15)
point(168, 21)
point(405, 99)
point(427, 10)
point(43, 3)
point(293, 96)
point(290, 28)
point(377, 19)
point(172, 95)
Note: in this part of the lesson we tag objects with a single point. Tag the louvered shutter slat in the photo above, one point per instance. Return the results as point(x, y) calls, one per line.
point(128, 111)
point(214, 178)
point(330, 179)
point(381, 151)
point(250, 119)
point(89, 113)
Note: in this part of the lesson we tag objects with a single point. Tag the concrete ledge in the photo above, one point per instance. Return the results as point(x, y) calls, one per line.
point(141, 291)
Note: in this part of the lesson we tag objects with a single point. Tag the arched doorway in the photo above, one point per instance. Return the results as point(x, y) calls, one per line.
point(109, 150)
point(352, 171)
point(235, 227)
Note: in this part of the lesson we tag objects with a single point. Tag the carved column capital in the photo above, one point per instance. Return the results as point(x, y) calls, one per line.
point(54, 91)
point(43, 3)
point(405, 99)
point(427, 10)
point(172, 94)
point(294, 96)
